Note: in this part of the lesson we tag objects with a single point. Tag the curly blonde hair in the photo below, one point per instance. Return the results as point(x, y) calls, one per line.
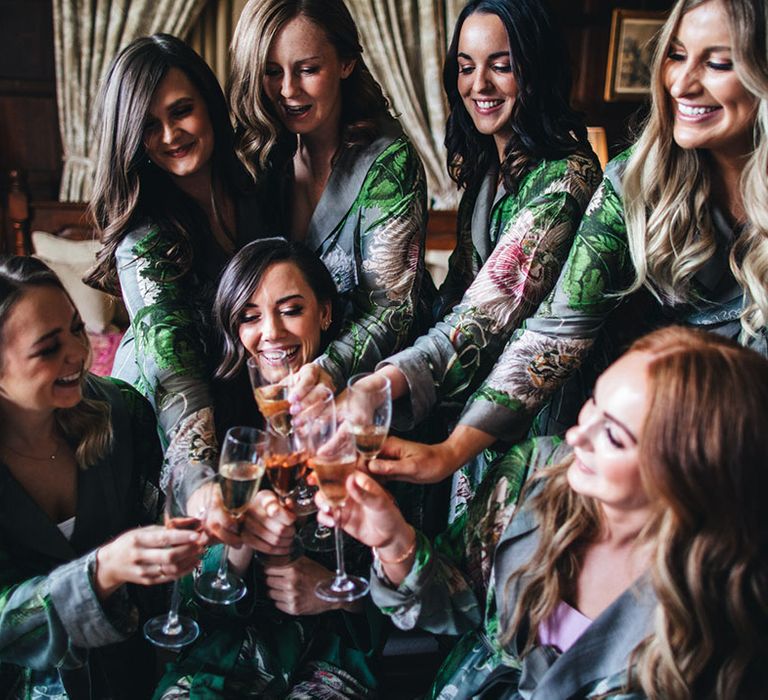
point(263, 142)
point(667, 189)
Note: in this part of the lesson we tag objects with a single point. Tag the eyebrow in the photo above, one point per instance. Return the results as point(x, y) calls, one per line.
point(621, 425)
point(55, 331)
point(675, 40)
point(498, 54)
point(301, 60)
point(281, 300)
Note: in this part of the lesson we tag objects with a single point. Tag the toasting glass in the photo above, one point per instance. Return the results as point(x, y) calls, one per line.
point(183, 511)
point(270, 374)
point(241, 467)
point(369, 412)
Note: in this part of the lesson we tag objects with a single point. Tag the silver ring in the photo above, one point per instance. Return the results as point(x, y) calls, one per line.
point(160, 571)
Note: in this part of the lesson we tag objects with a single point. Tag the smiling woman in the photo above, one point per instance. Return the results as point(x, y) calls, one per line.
point(171, 205)
point(79, 464)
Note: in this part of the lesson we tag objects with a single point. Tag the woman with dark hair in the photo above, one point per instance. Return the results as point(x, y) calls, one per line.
point(79, 467)
point(521, 155)
point(634, 567)
point(315, 129)
point(171, 204)
point(677, 231)
point(277, 296)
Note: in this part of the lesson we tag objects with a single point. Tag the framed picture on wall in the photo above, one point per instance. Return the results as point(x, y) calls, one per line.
point(627, 76)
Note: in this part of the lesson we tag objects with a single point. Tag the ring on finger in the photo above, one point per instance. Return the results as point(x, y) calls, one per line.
point(160, 571)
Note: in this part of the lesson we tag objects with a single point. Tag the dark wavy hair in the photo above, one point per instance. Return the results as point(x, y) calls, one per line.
point(241, 278)
point(87, 425)
point(128, 187)
point(263, 142)
point(544, 126)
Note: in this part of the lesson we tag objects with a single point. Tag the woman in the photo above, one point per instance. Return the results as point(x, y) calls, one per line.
point(79, 460)
point(171, 205)
point(521, 155)
point(277, 296)
point(676, 232)
point(315, 129)
point(634, 568)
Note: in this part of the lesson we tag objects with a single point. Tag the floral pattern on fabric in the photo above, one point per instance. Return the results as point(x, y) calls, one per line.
point(557, 340)
point(376, 256)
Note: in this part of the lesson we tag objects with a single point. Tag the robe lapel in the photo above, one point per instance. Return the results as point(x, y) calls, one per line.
point(481, 215)
point(26, 526)
point(343, 187)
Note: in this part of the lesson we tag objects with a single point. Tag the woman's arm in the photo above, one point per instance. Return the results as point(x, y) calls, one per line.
point(540, 356)
point(537, 227)
point(389, 255)
point(169, 345)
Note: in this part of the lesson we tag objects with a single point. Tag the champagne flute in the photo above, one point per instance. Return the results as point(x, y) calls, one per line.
point(171, 630)
point(270, 373)
point(334, 458)
point(369, 409)
point(241, 467)
point(317, 406)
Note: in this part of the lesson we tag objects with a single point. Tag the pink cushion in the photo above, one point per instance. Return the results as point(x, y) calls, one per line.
point(104, 347)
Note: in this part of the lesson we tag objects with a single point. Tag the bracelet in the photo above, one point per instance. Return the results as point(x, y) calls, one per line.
point(403, 556)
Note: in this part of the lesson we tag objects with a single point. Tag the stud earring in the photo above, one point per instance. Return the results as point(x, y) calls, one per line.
point(326, 324)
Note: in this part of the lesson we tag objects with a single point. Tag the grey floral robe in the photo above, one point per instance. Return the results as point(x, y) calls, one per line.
point(458, 586)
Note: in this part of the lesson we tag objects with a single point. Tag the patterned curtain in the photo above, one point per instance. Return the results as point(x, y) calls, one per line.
point(405, 45)
point(87, 35)
point(212, 34)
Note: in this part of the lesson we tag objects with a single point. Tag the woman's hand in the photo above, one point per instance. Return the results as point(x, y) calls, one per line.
point(306, 379)
point(292, 587)
point(417, 463)
point(268, 526)
point(414, 462)
point(147, 556)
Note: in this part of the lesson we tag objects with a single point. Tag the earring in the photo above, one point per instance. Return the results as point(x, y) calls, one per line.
point(326, 324)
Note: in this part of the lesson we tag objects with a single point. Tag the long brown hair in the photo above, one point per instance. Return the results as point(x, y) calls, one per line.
point(702, 454)
point(129, 188)
point(87, 426)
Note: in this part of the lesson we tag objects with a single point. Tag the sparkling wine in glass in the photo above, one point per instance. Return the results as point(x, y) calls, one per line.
point(369, 412)
point(334, 458)
point(171, 630)
point(241, 467)
point(270, 374)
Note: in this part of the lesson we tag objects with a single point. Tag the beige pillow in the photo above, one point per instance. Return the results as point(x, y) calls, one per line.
point(70, 260)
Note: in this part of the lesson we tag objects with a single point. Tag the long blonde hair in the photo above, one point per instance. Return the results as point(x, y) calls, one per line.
point(667, 189)
point(263, 142)
point(702, 461)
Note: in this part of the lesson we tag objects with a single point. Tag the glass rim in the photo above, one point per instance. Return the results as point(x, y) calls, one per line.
point(361, 375)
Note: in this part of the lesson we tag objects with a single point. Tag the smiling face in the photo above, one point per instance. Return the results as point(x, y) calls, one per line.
point(605, 439)
point(486, 83)
point(45, 353)
point(283, 314)
point(712, 108)
point(303, 79)
point(178, 135)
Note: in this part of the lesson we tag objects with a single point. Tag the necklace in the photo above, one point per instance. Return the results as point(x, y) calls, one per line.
point(50, 458)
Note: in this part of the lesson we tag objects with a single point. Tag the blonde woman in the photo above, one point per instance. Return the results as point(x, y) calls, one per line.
point(315, 129)
point(633, 568)
point(677, 232)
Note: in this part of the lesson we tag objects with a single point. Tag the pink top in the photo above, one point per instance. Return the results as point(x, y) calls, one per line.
point(563, 627)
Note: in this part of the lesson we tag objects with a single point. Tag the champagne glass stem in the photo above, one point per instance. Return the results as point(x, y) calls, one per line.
point(172, 625)
point(221, 575)
point(341, 573)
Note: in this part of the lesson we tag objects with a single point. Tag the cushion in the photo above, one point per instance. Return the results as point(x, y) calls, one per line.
point(70, 260)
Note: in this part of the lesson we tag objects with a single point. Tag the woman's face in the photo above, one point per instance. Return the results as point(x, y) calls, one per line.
point(303, 79)
point(486, 83)
point(285, 315)
point(45, 353)
point(712, 109)
point(605, 438)
point(178, 134)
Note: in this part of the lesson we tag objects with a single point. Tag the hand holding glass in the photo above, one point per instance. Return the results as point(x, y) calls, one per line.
point(241, 468)
point(369, 412)
point(270, 374)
